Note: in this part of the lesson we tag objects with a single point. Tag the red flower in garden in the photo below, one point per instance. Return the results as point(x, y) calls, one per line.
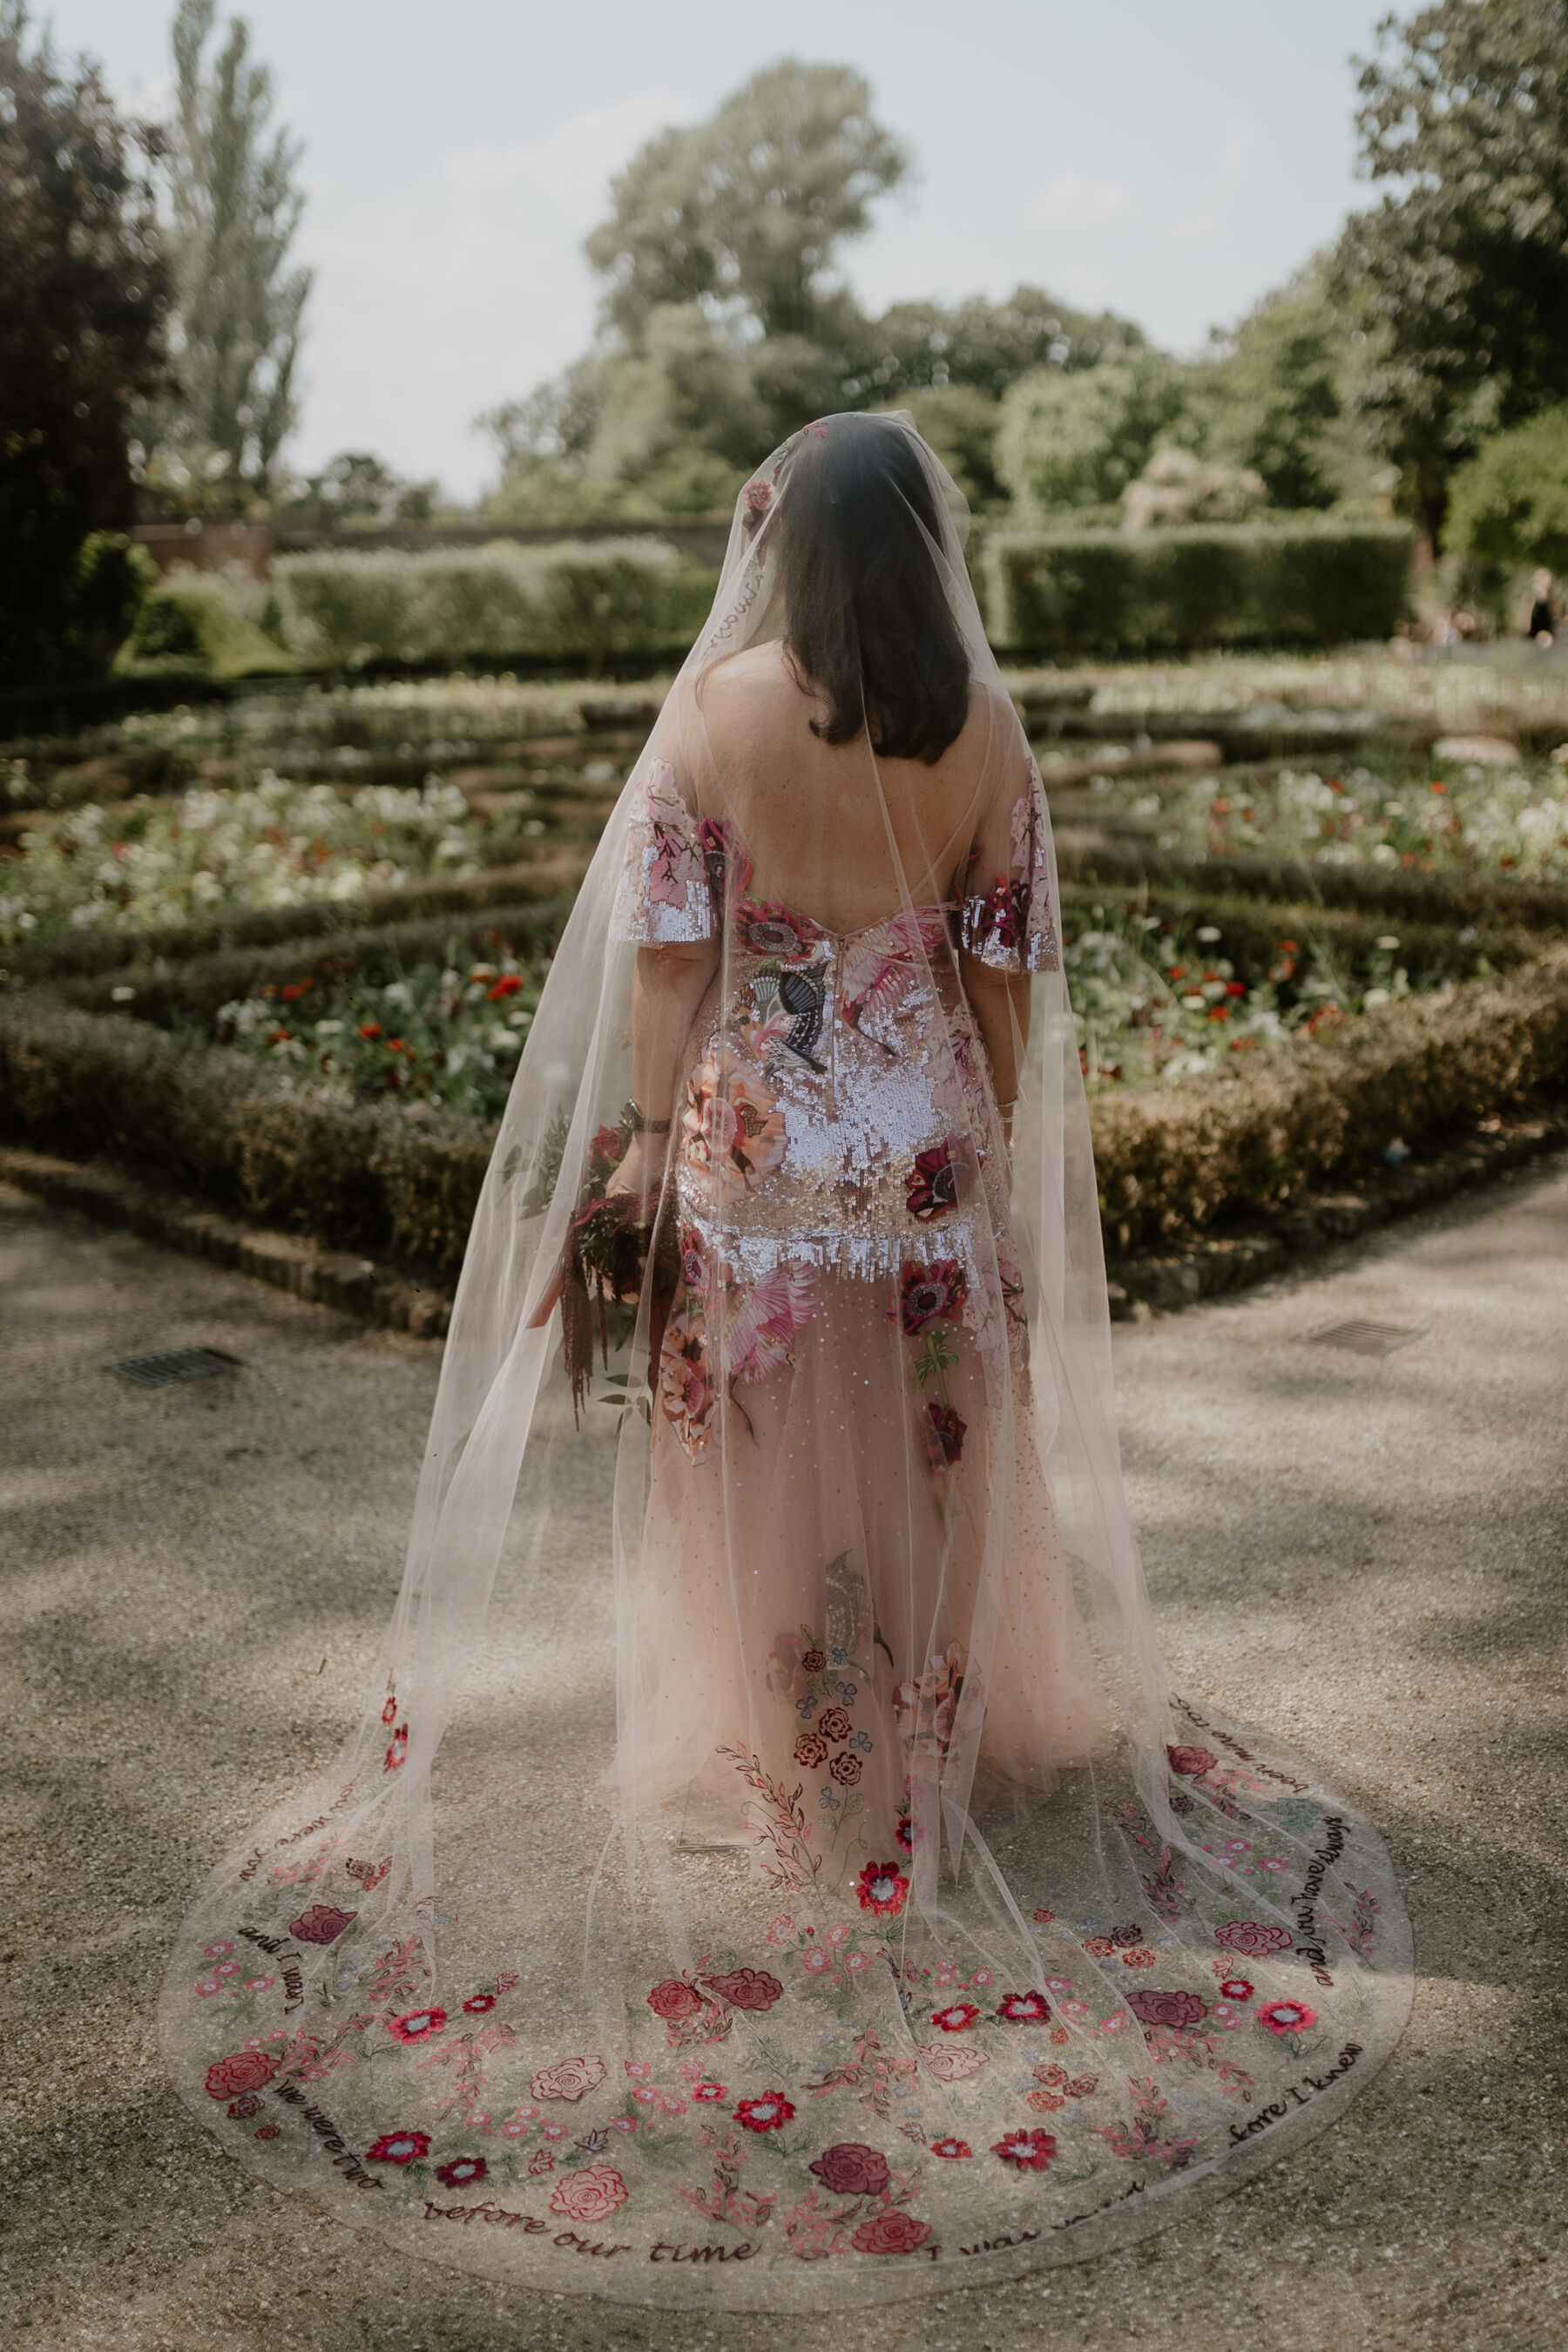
point(883, 1888)
point(1024, 2008)
point(952, 2148)
point(371, 1029)
point(937, 1182)
point(945, 1435)
point(416, 2025)
point(1031, 2151)
point(1236, 1989)
point(506, 985)
point(322, 1923)
point(672, 2001)
point(1288, 2017)
point(927, 1291)
point(810, 1751)
point(771, 2112)
point(851, 2169)
point(247, 2070)
point(478, 2002)
point(1189, 1761)
point(955, 2019)
point(398, 2147)
point(398, 1749)
point(890, 2232)
point(462, 2172)
point(752, 1988)
point(834, 1723)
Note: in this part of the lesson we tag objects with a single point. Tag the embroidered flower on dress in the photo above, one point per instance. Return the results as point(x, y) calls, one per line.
point(568, 2078)
point(956, 2018)
point(938, 1180)
point(768, 927)
point(247, 2070)
point(1024, 2009)
point(1031, 2151)
point(834, 1724)
point(1287, 2017)
point(1236, 1989)
point(462, 2171)
point(845, 1769)
point(945, 1431)
point(416, 2025)
point(707, 2092)
point(810, 1751)
point(590, 2194)
point(1253, 1939)
point(398, 2147)
point(732, 1129)
point(851, 2168)
point(926, 1292)
point(1190, 1761)
point(1167, 2008)
point(673, 1999)
point(322, 1923)
point(477, 2003)
point(951, 2148)
point(883, 1888)
point(398, 1751)
point(771, 2112)
point(952, 2062)
point(752, 1988)
point(686, 1394)
point(890, 2232)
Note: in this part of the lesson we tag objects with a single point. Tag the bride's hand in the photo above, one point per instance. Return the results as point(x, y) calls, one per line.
point(641, 1174)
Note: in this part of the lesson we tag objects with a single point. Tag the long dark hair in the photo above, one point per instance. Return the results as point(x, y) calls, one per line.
point(868, 623)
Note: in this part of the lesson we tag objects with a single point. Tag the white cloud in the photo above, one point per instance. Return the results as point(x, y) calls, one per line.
point(1072, 199)
point(571, 168)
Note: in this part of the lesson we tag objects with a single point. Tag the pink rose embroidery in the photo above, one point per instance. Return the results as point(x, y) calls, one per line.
point(568, 2078)
point(322, 1923)
point(247, 2070)
point(1253, 1939)
point(746, 1987)
point(590, 2194)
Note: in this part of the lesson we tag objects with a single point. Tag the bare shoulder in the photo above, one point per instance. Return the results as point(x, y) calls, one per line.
point(747, 690)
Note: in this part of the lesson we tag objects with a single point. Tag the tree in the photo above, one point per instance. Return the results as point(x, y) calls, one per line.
point(1509, 505)
point(1274, 390)
point(751, 206)
point(1462, 276)
point(82, 297)
point(236, 209)
point(988, 345)
point(358, 487)
point(1077, 440)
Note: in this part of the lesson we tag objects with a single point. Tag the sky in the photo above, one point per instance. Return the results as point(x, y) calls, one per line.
point(1171, 165)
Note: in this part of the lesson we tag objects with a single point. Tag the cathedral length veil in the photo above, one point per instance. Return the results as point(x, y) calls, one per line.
point(771, 1871)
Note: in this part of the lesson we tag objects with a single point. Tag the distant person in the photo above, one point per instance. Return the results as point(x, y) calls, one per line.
point(1542, 630)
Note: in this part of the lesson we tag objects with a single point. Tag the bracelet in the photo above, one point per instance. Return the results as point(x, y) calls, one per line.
point(633, 1116)
point(1003, 1107)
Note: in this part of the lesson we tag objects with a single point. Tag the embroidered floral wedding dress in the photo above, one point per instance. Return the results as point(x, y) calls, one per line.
point(833, 1905)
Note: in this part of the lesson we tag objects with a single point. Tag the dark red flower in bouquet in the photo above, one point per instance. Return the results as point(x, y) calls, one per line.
point(957, 2018)
point(322, 1923)
point(417, 2024)
point(890, 2232)
point(462, 2172)
point(1253, 1939)
point(851, 2168)
point(247, 2070)
point(771, 2112)
point(810, 1751)
point(1031, 2151)
point(883, 1888)
point(1167, 2008)
point(945, 1434)
point(927, 1291)
point(1288, 2017)
point(746, 1987)
point(607, 1149)
point(1024, 2008)
point(845, 1767)
point(673, 2001)
point(934, 1184)
point(398, 2147)
point(1190, 1761)
point(834, 1723)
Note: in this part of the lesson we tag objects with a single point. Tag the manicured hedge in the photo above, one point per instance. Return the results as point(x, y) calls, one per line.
point(1082, 593)
point(598, 602)
point(1172, 1160)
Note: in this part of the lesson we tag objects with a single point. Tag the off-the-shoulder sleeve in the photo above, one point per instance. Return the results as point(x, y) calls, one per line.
point(664, 894)
point(1012, 926)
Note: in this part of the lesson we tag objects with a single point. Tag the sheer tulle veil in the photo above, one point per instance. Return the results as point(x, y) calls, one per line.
point(891, 1924)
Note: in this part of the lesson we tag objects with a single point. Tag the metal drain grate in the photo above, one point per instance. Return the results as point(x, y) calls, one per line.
point(1364, 1338)
point(174, 1364)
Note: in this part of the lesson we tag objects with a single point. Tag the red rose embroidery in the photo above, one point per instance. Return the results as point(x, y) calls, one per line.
point(851, 2169)
point(462, 2171)
point(247, 2070)
point(322, 1923)
point(398, 2147)
point(813, 1662)
point(1031, 2151)
point(890, 2233)
point(883, 1888)
point(810, 1751)
point(1167, 2008)
point(771, 2112)
point(1024, 2008)
point(242, 2108)
point(1190, 1761)
point(834, 1723)
point(746, 1987)
point(1253, 1939)
point(417, 2025)
point(672, 2001)
point(845, 1767)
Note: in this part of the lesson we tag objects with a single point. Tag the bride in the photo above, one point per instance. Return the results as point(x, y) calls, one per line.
point(866, 1916)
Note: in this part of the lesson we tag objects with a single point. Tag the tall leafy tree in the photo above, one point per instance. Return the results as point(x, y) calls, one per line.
point(1462, 269)
point(82, 296)
point(236, 206)
point(751, 205)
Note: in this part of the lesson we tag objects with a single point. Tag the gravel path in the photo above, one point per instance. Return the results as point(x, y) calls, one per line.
point(1365, 1554)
